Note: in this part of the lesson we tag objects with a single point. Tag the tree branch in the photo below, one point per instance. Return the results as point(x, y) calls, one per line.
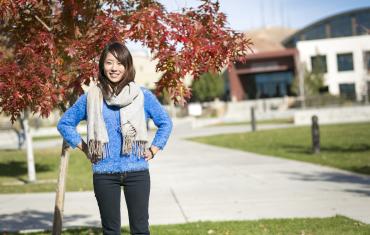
point(43, 23)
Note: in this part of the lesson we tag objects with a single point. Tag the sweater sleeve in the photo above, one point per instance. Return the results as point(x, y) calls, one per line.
point(160, 117)
point(70, 119)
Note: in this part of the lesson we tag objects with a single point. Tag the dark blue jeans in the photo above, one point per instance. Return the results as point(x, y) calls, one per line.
point(136, 187)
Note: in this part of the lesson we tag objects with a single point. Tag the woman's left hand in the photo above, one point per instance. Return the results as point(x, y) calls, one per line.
point(148, 154)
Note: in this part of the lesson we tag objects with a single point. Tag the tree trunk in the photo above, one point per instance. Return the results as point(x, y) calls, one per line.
point(60, 190)
point(29, 147)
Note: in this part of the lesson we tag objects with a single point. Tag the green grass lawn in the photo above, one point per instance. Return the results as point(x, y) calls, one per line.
point(345, 146)
point(269, 121)
point(337, 225)
point(13, 170)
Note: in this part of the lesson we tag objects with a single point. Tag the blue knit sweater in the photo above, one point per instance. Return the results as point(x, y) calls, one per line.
point(116, 162)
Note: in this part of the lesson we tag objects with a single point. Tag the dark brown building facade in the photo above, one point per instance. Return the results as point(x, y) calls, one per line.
point(264, 75)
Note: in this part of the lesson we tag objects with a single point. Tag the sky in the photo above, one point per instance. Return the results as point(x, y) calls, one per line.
point(249, 14)
point(243, 15)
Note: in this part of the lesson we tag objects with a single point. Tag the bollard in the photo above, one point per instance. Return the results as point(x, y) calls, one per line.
point(315, 135)
point(253, 119)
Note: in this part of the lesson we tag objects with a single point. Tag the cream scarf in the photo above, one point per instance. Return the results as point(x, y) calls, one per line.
point(132, 121)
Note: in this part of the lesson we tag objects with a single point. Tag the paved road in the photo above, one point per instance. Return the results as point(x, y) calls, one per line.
point(192, 181)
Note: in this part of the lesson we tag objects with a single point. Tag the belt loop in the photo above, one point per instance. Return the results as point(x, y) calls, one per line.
point(121, 178)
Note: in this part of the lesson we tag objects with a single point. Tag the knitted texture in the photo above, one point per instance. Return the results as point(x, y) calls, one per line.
point(116, 162)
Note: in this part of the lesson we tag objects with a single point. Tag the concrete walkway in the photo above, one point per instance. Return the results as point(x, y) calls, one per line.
point(192, 182)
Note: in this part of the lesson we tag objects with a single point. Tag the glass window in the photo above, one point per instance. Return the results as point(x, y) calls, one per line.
point(267, 85)
point(345, 62)
point(341, 27)
point(318, 64)
point(275, 84)
point(367, 60)
point(315, 32)
point(363, 23)
point(348, 91)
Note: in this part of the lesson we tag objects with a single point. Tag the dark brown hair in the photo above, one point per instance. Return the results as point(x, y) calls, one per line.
point(123, 55)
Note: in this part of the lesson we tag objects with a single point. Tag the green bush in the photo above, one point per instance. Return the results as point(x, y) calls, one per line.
point(208, 87)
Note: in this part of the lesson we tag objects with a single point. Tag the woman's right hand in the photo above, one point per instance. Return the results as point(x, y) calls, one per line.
point(83, 147)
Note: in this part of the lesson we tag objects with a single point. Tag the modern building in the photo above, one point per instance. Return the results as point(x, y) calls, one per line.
point(268, 72)
point(338, 47)
point(264, 75)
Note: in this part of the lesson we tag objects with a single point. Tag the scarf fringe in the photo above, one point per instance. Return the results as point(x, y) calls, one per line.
point(131, 146)
point(97, 150)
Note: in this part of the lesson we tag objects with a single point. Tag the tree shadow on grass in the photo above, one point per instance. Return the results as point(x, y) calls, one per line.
point(355, 148)
point(19, 168)
point(361, 169)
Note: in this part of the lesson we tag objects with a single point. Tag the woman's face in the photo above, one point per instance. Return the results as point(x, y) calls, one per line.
point(113, 69)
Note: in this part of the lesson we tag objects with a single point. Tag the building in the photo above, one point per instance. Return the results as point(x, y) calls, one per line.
point(145, 73)
point(268, 72)
point(145, 70)
point(339, 47)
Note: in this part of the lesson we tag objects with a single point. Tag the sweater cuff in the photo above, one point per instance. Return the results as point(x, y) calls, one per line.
point(73, 143)
point(157, 144)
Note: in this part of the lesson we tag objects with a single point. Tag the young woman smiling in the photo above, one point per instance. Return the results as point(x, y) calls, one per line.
point(116, 110)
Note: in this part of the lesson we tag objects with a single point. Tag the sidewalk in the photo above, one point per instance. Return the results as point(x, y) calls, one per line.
point(192, 181)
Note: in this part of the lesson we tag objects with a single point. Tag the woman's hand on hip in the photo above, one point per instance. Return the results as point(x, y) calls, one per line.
point(83, 147)
point(150, 152)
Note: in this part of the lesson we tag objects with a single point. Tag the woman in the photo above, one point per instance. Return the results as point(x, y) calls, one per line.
point(116, 110)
